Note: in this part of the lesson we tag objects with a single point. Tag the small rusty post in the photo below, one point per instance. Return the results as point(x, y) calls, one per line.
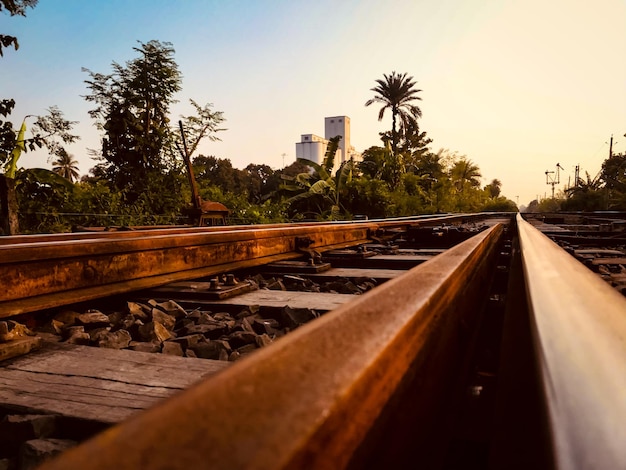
point(197, 202)
point(8, 207)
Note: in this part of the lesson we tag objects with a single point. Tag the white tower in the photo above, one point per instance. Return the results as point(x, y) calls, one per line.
point(339, 125)
point(313, 147)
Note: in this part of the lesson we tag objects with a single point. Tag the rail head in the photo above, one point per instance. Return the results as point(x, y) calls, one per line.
point(579, 328)
point(146, 232)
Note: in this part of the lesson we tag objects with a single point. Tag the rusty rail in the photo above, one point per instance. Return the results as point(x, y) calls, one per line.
point(44, 274)
point(147, 232)
point(578, 326)
point(361, 385)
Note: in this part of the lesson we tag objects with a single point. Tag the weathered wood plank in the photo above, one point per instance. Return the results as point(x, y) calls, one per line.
point(85, 399)
point(400, 261)
point(277, 298)
point(355, 273)
point(156, 370)
point(422, 251)
point(598, 261)
point(598, 252)
point(19, 347)
point(96, 384)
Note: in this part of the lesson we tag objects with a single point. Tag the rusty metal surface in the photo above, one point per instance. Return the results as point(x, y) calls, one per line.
point(312, 399)
point(580, 337)
point(43, 274)
point(146, 231)
point(37, 270)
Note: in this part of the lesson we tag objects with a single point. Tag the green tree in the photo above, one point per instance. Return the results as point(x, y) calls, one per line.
point(494, 188)
point(613, 172)
point(205, 123)
point(397, 92)
point(191, 130)
point(260, 182)
point(293, 170)
point(66, 166)
point(41, 195)
point(369, 197)
point(499, 204)
point(465, 173)
point(132, 107)
point(374, 162)
point(218, 172)
point(587, 194)
point(412, 142)
point(613, 175)
point(382, 163)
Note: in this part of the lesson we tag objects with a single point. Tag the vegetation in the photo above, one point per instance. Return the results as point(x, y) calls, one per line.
point(320, 188)
point(604, 192)
point(140, 177)
point(132, 110)
point(66, 166)
point(51, 131)
point(396, 93)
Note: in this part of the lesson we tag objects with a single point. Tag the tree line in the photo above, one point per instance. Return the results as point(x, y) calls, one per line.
point(140, 178)
point(606, 191)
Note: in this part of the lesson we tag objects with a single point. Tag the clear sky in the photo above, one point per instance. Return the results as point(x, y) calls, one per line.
point(516, 85)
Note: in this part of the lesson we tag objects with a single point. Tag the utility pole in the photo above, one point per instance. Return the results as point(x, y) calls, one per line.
point(611, 147)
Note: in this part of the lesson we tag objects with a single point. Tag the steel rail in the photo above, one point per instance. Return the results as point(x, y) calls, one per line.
point(35, 276)
point(41, 275)
point(131, 233)
point(579, 334)
point(351, 388)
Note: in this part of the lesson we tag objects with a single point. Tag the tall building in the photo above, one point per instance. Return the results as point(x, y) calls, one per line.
point(313, 147)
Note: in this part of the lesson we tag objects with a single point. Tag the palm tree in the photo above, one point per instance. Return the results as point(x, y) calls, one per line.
point(65, 165)
point(465, 171)
point(494, 188)
point(396, 92)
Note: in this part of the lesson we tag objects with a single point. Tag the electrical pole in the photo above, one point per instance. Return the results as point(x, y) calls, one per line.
point(611, 147)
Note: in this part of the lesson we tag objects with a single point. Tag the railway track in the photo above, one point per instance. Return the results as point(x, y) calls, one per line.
point(484, 346)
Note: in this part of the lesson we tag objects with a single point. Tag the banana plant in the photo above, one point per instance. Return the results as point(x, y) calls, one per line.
point(20, 146)
point(321, 183)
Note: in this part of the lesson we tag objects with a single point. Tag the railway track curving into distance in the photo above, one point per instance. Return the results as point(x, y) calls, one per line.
point(483, 344)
